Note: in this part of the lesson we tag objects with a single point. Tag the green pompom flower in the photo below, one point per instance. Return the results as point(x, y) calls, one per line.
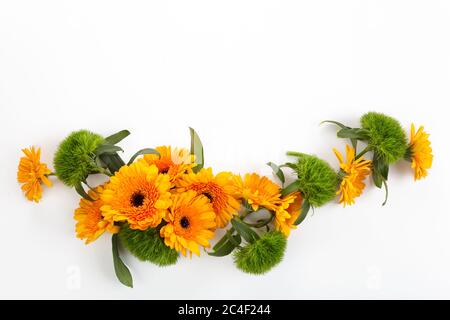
point(262, 255)
point(386, 137)
point(148, 246)
point(317, 181)
point(74, 159)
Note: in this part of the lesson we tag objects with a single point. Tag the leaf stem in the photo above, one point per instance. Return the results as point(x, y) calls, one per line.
point(387, 192)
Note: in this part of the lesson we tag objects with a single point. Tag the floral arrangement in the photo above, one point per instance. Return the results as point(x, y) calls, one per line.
point(164, 203)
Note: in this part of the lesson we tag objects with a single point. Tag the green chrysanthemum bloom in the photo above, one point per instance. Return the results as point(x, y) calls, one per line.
point(148, 246)
point(262, 255)
point(385, 136)
point(317, 180)
point(74, 159)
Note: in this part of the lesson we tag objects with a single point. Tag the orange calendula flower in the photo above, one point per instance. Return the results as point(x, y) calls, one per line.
point(174, 162)
point(137, 194)
point(420, 152)
point(259, 192)
point(190, 222)
point(32, 173)
point(218, 189)
point(286, 222)
point(355, 172)
point(90, 221)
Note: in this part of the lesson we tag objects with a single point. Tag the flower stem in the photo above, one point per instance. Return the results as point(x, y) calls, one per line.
point(359, 155)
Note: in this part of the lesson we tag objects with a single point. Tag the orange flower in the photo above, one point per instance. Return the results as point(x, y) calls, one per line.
point(137, 194)
point(420, 152)
point(32, 173)
point(174, 162)
point(189, 223)
point(218, 189)
point(90, 221)
point(356, 171)
point(285, 222)
point(258, 191)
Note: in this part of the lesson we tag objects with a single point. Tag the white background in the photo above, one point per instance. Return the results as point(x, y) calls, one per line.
point(254, 78)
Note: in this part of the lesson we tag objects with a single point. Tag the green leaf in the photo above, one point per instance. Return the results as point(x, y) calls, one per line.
point(377, 179)
point(293, 187)
point(305, 209)
point(141, 152)
point(245, 231)
point(112, 161)
point(290, 165)
point(226, 245)
point(384, 170)
point(355, 133)
point(277, 171)
point(197, 150)
point(107, 149)
point(380, 170)
point(122, 271)
point(224, 239)
point(342, 126)
point(80, 190)
point(117, 137)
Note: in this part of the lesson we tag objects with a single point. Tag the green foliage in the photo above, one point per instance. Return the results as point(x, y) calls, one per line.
point(122, 272)
point(262, 255)
point(74, 159)
point(385, 136)
point(315, 179)
point(147, 246)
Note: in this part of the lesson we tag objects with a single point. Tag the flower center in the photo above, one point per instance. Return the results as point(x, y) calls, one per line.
point(184, 222)
point(137, 199)
point(209, 196)
point(164, 170)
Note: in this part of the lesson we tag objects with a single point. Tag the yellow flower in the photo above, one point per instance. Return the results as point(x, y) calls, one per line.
point(174, 162)
point(285, 219)
point(356, 171)
point(189, 222)
point(90, 221)
point(218, 189)
point(420, 152)
point(31, 173)
point(137, 194)
point(258, 191)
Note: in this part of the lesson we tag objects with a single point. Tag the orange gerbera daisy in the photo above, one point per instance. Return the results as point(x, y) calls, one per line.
point(420, 152)
point(32, 173)
point(91, 223)
point(137, 194)
point(355, 172)
point(190, 222)
point(218, 189)
point(174, 162)
point(285, 220)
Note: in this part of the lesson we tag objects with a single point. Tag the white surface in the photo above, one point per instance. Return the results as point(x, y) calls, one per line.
point(254, 78)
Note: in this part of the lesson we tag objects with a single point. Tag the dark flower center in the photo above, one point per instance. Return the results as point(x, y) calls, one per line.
point(137, 199)
point(208, 195)
point(184, 222)
point(164, 170)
